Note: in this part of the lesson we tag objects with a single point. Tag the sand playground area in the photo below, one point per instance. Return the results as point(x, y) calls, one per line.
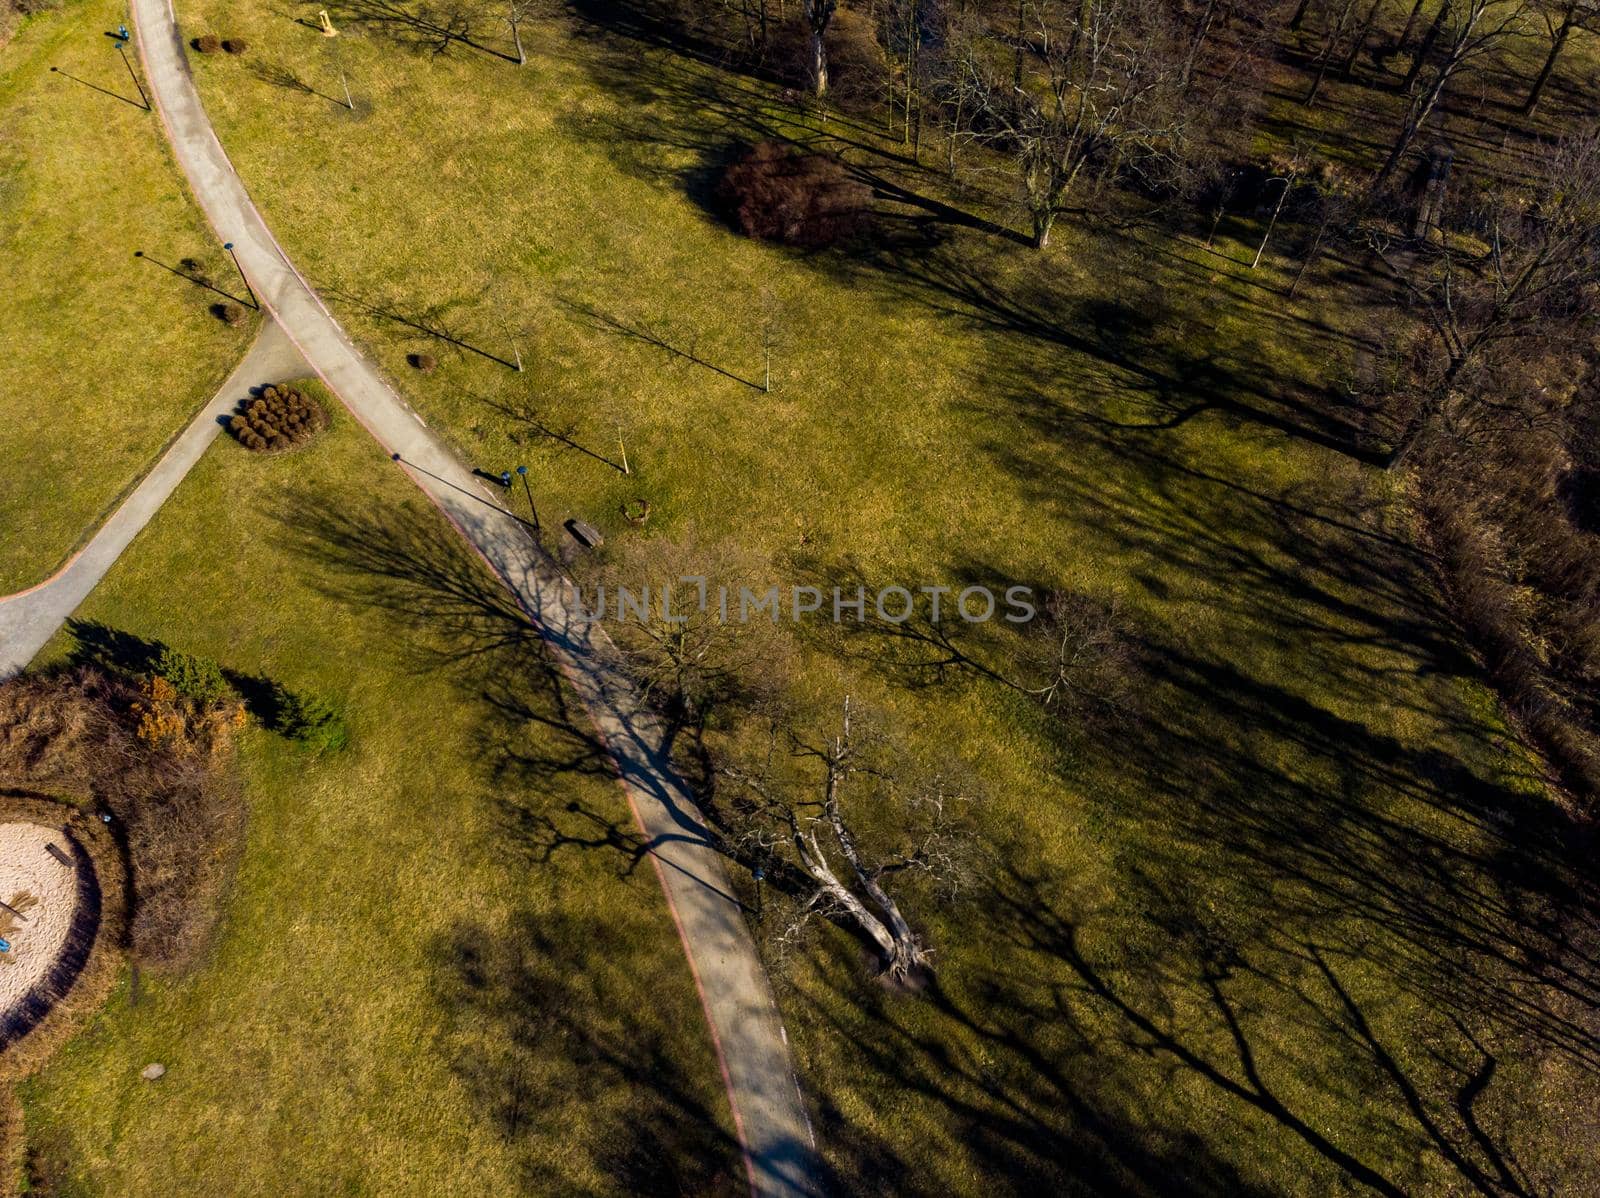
point(39, 893)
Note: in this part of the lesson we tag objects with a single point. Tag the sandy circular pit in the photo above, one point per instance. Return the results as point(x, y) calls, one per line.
point(44, 895)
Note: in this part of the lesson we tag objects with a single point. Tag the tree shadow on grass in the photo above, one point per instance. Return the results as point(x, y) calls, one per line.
point(277, 74)
point(542, 1015)
point(547, 1030)
point(1139, 362)
point(434, 26)
point(1031, 1101)
point(1317, 870)
point(1470, 895)
point(430, 319)
point(1217, 1009)
point(534, 738)
point(1086, 1054)
point(116, 651)
point(962, 265)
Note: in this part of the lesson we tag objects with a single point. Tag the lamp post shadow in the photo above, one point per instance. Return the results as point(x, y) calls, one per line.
point(205, 284)
point(103, 91)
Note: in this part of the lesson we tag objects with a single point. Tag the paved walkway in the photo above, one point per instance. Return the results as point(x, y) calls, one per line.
point(753, 1050)
point(30, 618)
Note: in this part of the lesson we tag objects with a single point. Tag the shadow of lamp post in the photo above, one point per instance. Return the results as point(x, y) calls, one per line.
point(121, 40)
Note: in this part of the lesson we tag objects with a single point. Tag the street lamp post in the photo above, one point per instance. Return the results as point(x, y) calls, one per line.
point(758, 873)
point(254, 302)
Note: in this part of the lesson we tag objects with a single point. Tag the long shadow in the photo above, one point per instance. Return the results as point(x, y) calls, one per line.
point(544, 1027)
point(279, 75)
point(541, 428)
point(945, 265)
point(468, 626)
point(608, 322)
point(428, 320)
point(203, 284)
point(1048, 332)
point(1302, 891)
point(96, 87)
point(712, 112)
point(1038, 1112)
point(418, 26)
point(1434, 1101)
point(540, 1013)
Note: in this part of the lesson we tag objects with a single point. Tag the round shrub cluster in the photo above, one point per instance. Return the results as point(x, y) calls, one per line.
point(279, 418)
point(208, 43)
point(776, 194)
point(235, 45)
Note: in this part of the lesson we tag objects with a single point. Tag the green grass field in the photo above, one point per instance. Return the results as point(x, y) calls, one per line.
point(105, 356)
point(1296, 929)
point(415, 990)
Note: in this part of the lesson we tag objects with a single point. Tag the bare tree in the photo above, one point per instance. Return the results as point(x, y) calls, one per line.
point(664, 603)
point(1288, 167)
point(1560, 19)
point(1467, 29)
point(1537, 282)
point(773, 334)
point(1330, 43)
point(850, 818)
point(1074, 657)
point(958, 79)
point(1109, 97)
point(818, 16)
point(1404, 40)
point(518, 11)
point(1358, 43)
point(1336, 199)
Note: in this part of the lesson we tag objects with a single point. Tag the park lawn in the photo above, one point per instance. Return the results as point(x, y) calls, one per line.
point(1228, 942)
point(105, 356)
point(413, 990)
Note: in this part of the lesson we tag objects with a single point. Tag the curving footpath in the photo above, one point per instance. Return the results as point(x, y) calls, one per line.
point(30, 618)
point(752, 1048)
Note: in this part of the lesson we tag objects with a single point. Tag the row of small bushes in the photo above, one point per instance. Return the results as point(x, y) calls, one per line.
point(278, 418)
point(210, 43)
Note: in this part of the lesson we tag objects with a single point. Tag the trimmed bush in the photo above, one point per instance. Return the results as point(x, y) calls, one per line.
point(196, 678)
point(235, 45)
point(232, 314)
point(207, 44)
point(278, 418)
point(776, 194)
point(423, 362)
